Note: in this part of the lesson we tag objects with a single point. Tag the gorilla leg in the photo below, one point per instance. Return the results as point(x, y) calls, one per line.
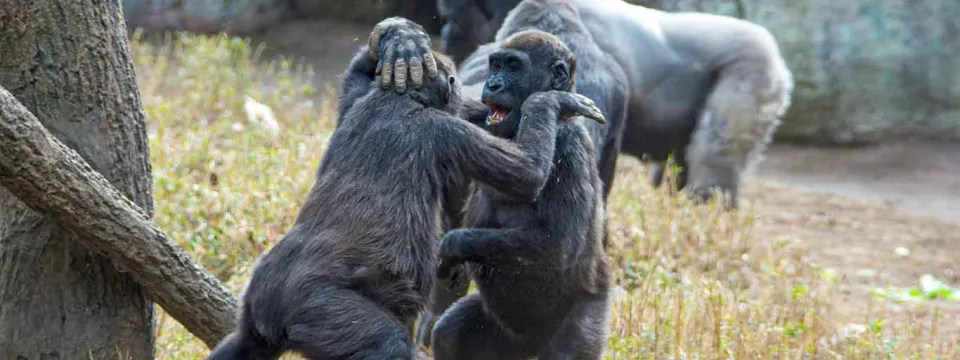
point(441, 299)
point(243, 345)
point(582, 335)
point(608, 166)
point(711, 167)
point(738, 122)
point(683, 172)
point(341, 324)
point(467, 331)
point(658, 166)
point(661, 165)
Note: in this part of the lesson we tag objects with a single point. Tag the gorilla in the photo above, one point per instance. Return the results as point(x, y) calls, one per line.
point(708, 89)
point(539, 266)
point(597, 77)
point(349, 278)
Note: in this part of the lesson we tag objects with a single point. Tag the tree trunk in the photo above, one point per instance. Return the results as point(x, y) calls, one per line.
point(49, 177)
point(69, 63)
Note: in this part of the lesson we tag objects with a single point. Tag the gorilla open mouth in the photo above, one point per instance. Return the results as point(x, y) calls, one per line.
point(497, 113)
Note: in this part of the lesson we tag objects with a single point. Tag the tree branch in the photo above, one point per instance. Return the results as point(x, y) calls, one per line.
point(54, 180)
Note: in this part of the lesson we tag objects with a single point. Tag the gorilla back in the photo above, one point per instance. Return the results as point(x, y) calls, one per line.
point(347, 281)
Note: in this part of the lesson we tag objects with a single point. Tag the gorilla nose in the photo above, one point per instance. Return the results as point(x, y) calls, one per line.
point(494, 86)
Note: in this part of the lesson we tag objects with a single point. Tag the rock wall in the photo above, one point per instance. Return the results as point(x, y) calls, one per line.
point(247, 16)
point(865, 70)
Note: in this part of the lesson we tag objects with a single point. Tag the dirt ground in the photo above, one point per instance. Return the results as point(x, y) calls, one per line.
point(851, 207)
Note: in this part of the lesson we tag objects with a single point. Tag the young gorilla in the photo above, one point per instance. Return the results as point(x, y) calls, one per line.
point(351, 275)
point(597, 77)
point(539, 266)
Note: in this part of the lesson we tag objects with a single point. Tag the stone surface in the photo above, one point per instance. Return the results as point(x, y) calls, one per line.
point(864, 69)
point(246, 16)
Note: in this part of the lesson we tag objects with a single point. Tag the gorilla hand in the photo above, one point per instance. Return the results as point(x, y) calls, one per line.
point(450, 257)
point(568, 104)
point(400, 44)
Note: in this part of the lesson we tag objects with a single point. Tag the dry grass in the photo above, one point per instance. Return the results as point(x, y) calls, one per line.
point(702, 284)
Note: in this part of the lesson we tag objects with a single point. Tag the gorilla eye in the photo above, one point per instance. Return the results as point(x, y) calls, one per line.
point(494, 63)
point(514, 64)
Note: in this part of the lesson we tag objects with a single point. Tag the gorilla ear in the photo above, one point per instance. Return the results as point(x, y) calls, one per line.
point(561, 76)
point(451, 81)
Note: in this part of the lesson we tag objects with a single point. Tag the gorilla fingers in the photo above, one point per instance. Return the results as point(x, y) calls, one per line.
point(407, 40)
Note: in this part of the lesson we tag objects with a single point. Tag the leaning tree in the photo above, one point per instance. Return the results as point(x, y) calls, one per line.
point(80, 261)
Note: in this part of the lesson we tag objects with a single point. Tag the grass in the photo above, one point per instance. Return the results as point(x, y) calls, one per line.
point(701, 283)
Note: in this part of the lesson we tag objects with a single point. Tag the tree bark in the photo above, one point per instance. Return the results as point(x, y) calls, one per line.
point(54, 180)
point(69, 63)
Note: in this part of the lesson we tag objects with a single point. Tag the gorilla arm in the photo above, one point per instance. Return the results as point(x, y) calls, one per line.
point(518, 169)
point(473, 110)
point(489, 246)
point(504, 245)
point(356, 81)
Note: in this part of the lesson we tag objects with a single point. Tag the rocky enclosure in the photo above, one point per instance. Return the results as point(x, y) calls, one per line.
point(865, 70)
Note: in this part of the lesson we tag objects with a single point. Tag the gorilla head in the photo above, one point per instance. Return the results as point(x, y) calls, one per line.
point(528, 62)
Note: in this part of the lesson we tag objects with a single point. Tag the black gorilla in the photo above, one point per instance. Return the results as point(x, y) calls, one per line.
point(597, 77)
point(708, 89)
point(539, 266)
point(348, 280)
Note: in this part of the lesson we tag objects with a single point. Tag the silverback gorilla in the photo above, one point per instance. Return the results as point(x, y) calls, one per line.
point(539, 266)
point(597, 77)
point(708, 89)
point(351, 275)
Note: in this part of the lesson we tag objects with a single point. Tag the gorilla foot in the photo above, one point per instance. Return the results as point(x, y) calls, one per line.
point(705, 195)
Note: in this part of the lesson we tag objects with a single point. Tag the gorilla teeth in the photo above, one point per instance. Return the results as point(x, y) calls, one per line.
point(496, 114)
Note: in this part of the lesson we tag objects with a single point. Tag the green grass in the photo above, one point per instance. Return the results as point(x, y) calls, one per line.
point(701, 284)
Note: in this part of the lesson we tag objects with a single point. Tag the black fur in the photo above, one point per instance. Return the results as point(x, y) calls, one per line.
point(349, 278)
point(714, 107)
point(597, 77)
point(470, 23)
point(540, 265)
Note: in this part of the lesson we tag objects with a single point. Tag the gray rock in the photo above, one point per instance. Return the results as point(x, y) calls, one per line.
point(246, 16)
point(864, 69)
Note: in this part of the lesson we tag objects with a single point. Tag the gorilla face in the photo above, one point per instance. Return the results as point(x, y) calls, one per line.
point(514, 76)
